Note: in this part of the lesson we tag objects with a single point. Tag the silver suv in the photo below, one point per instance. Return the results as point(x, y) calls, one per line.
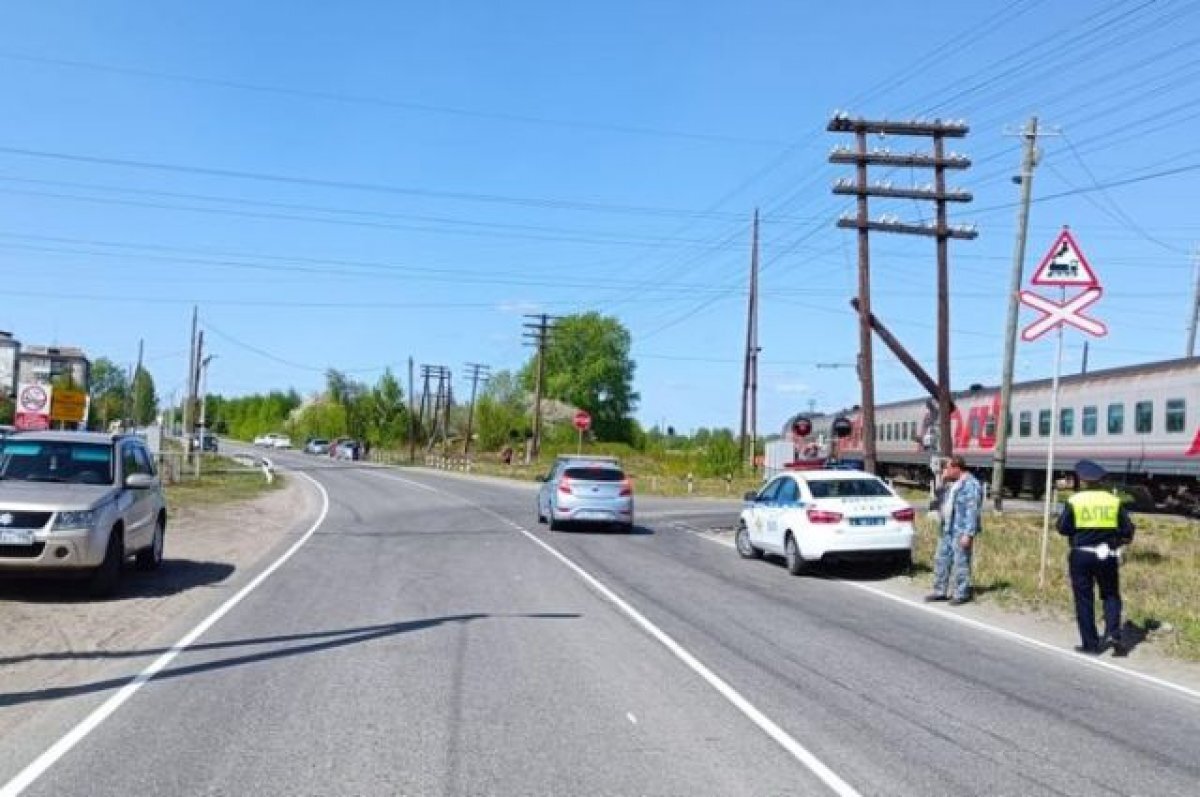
point(79, 502)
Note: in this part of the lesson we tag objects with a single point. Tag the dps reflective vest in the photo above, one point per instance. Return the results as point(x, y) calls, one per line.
point(1095, 510)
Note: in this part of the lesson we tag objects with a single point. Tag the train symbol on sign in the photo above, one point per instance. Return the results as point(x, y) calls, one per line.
point(1064, 263)
point(1065, 266)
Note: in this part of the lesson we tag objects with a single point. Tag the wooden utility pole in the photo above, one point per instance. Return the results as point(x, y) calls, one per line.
point(475, 372)
point(1000, 453)
point(412, 417)
point(191, 386)
point(537, 333)
point(750, 366)
point(861, 189)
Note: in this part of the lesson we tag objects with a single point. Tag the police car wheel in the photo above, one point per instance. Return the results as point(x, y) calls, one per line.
point(795, 562)
point(745, 548)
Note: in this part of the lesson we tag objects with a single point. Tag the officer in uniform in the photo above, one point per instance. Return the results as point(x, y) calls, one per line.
point(1097, 525)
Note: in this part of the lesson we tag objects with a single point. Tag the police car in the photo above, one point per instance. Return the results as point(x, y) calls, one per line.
point(813, 516)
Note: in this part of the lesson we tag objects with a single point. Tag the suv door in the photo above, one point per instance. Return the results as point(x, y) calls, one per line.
point(138, 505)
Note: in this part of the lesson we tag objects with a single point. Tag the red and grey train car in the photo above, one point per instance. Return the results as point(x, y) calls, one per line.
point(1141, 422)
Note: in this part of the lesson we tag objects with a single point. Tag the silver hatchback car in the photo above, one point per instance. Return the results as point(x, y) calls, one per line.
point(586, 491)
point(79, 502)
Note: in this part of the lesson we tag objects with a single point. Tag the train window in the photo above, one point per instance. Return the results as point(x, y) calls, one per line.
point(1009, 428)
point(989, 428)
point(1089, 420)
point(1066, 421)
point(1044, 419)
point(1176, 415)
point(974, 427)
point(1116, 418)
point(1143, 417)
point(1026, 423)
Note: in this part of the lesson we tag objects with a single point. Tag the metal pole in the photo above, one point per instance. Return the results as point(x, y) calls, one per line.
point(537, 388)
point(946, 445)
point(191, 387)
point(754, 349)
point(1050, 454)
point(1000, 453)
point(866, 361)
point(743, 437)
point(1191, 342)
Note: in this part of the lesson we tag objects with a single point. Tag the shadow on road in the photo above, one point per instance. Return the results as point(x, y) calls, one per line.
point(175, 576)
point(317, 641)
point(636, 531)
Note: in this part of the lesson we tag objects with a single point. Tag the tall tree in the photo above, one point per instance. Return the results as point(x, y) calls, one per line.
point(108, 391)
point(145, 400)
point(588, 365)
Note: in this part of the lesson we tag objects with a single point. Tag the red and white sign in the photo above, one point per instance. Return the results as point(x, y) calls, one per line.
point(32, 412)
point(1055, 314)
point(582, 420)
point(1065, 266)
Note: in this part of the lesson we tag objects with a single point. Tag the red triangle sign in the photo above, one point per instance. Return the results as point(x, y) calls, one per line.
point(1065, 265)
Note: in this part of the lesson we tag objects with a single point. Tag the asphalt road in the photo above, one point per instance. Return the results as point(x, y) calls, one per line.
point(420, 643)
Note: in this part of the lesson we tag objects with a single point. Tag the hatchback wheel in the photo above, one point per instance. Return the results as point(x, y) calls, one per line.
point(744, 547)
point(795, 562)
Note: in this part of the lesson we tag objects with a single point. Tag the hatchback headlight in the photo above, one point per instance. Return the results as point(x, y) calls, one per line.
point(75, 519)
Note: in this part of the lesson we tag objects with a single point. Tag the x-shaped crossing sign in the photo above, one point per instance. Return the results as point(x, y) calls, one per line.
point(1055, 314)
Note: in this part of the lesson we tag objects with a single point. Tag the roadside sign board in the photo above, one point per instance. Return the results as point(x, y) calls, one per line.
point(1056, 314)
point(69, 406)
point(1065, 266)
point(32, 412)
point(582, 420)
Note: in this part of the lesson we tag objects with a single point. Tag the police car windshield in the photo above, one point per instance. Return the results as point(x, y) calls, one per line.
point(68, 463)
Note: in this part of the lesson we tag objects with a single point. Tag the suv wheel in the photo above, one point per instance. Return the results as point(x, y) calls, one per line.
point(152, 558)
point(104, 579)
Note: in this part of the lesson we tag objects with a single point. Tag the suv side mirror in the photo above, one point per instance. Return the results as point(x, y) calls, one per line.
point(750, 497)
point(139, 481)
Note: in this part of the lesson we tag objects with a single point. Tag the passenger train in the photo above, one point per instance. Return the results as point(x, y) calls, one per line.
point(1140, 422)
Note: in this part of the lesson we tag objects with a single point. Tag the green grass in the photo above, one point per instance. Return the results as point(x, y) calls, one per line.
point(222, 481)
point(1160, 573)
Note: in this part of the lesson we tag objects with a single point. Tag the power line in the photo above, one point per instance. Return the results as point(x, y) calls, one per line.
point(384, 102)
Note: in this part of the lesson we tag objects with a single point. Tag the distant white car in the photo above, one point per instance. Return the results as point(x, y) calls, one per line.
point(813, 516)
point(273, 440)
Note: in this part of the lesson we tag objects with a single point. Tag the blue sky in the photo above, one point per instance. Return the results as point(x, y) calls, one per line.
point(463, 163)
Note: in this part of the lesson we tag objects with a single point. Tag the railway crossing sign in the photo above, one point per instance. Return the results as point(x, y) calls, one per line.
point(1056, 314)
point(1065, 266)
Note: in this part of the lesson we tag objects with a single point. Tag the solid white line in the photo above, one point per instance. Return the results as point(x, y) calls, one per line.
point(1085, 661)
point(26, 777)
point(765, 724)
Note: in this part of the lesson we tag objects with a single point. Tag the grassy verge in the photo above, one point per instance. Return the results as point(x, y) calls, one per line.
point(1160, 573)
point(222, 481)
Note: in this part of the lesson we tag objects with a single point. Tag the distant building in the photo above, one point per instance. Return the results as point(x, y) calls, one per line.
point(44, 364)
point(10, 347)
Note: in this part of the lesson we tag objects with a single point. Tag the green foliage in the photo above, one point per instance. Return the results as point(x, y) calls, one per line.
point(377, 414)
point(109, 391)
point(721, 455)
point(145, 400)
point(247, 417)
point(588, 365)
point(502, 413)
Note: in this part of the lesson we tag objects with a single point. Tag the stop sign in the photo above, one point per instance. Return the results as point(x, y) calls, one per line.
point(583, 421)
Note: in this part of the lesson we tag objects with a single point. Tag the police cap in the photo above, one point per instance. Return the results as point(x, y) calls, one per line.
point(1089, 471)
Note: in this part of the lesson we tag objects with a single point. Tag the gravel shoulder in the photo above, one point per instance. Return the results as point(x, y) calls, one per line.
point(58, 646)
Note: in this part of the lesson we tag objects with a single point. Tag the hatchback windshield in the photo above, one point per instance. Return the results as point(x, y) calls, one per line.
point(46, 461)
point(848, 488)
point(595, 474)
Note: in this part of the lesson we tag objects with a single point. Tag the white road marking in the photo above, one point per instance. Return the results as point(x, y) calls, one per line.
point(26, 777)
point(946, 614)
point(632, 718)
point(764, 723)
